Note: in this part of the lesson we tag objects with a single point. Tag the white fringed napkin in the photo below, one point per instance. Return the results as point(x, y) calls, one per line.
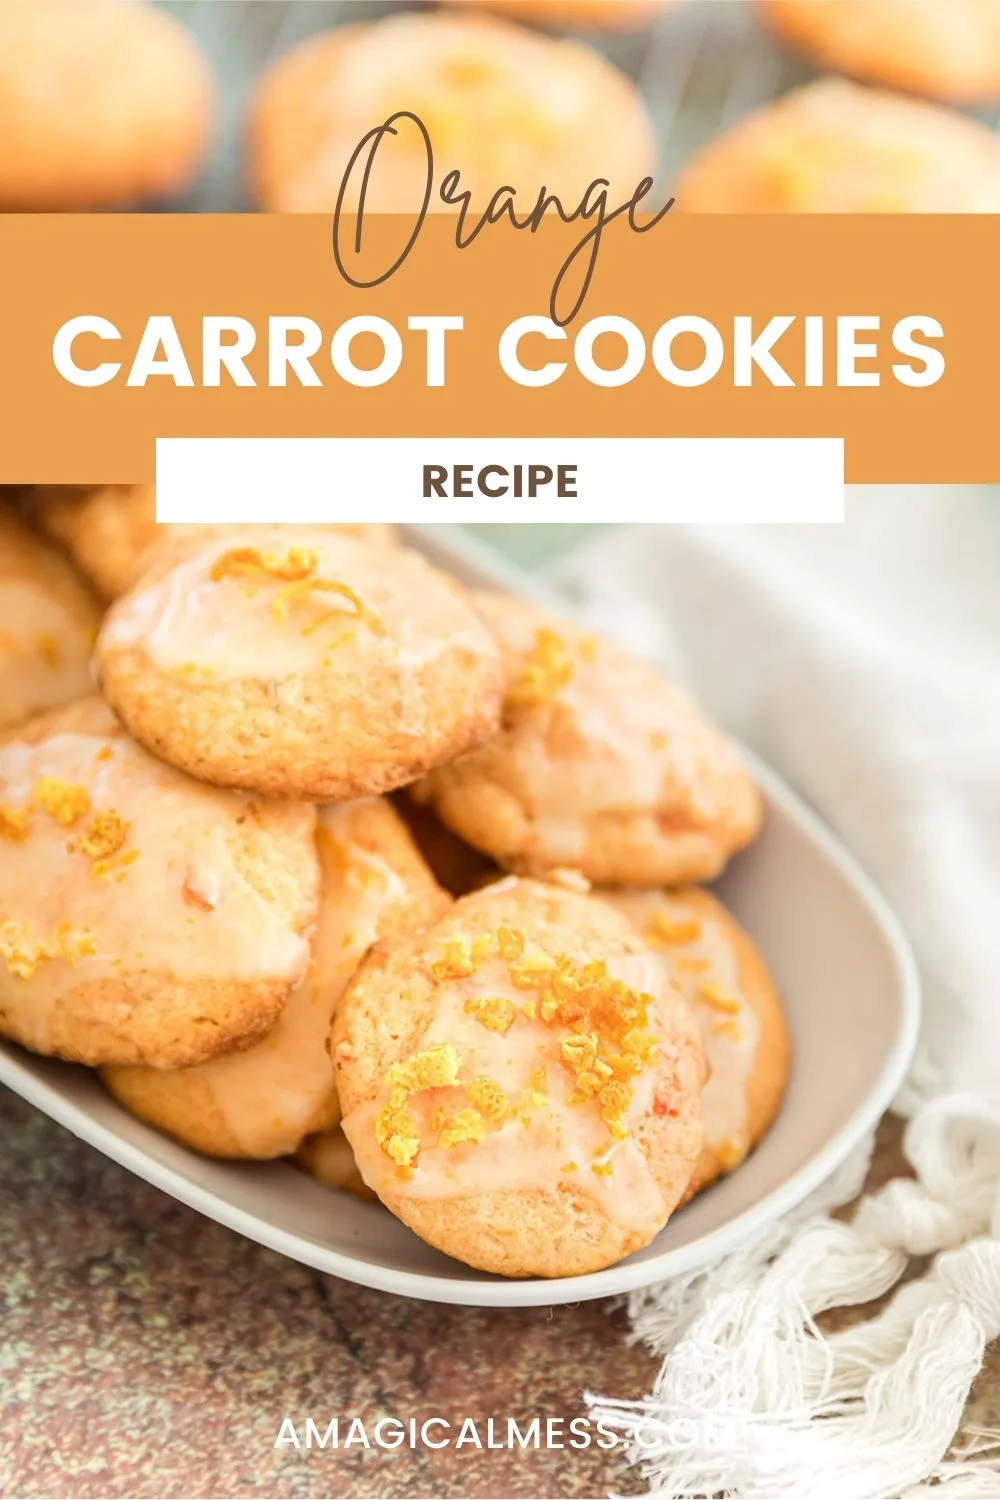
point(863, 662)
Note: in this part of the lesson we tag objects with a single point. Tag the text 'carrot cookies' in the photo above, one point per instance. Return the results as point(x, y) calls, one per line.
point(143, 917)
point(520, 1084)
point(602, 764)
point(299, 662)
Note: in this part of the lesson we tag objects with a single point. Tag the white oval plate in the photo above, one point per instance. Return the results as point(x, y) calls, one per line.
point(850, 987)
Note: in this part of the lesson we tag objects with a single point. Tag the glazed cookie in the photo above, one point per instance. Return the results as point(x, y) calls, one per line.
point(48, 622)
point(502, 104)
point(144, 918)
point(100, 103)
point(299, 662)
point(109, 530)
point(520, 1084)
point(599, 15)
point(949, 49)
point(716, 967)
point(264, 1101)
point(602, 765)
point(328, 1157)
point(835, 147)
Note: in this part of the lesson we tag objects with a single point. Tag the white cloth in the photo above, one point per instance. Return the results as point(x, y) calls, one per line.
point(863, 662)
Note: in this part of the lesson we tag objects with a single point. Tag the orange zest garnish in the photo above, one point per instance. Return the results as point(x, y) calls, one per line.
point(465, 1125)
point(716, 998)
point(662, 931)
point(66, 802)
point(546, 669)
point(601, 1038)
point(106, 835)
point(395, 1129)
point(248, 562)
point(437, 1068)
point(486, 1095)
point(496, 1013)
point(24, 955)
point(296, 570)
point(510, 942)
point(459, 957)
point(13, 825)
point(304, 588)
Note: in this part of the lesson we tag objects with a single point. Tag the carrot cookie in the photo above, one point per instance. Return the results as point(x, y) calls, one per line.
point(601, 15)
point(48, 622)
point(502, 104)
point(602, 765)
point(835, 147)
point(716, 967)
point(328, 1157)
point(144, 918)
point(109, 529)
point(949, 49)
point(101, 102)
point(299, 662)
point(520, 1084)
point(264, 1101)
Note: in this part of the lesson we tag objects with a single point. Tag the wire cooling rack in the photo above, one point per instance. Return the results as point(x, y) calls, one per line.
point(700, 66)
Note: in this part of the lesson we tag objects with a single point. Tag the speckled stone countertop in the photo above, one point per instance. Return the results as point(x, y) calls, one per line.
point(149, 1353)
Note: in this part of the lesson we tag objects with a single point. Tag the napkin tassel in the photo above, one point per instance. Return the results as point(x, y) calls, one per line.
point(755, 1402)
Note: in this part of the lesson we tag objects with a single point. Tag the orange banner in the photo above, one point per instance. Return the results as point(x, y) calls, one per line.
point(114, 331)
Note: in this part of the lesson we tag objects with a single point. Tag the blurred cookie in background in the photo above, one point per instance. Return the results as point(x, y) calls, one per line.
point(48, 621)
point(949, 49)
point(599, 15)
point(102, 102)
point(502, 104)
point(838, 147)
point(107, 529)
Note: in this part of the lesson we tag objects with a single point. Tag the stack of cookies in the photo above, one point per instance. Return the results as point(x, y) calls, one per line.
point(346, 864)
